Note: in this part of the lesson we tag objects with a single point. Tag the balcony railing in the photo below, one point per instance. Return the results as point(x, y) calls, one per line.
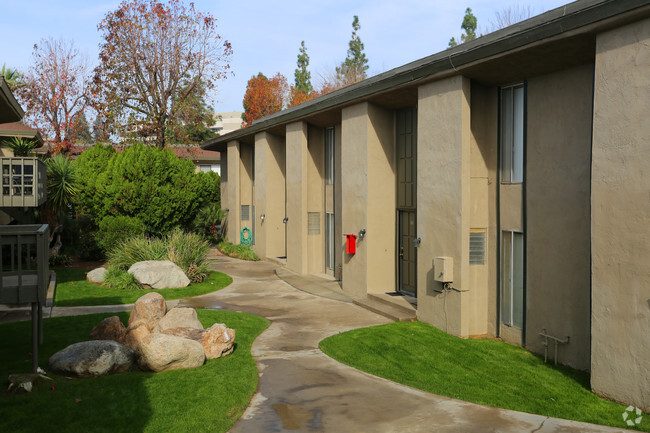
point(23, 183)
point(24, 273)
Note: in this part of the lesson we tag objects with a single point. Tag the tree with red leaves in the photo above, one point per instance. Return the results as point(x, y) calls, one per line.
point(54, 90)
point(264, 97)
point(153, 58)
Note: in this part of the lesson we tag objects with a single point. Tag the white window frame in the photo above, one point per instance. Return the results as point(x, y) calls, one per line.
point(512, 133)
point(512, 279)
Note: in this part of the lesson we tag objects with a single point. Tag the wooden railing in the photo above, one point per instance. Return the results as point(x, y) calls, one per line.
point(24, 273)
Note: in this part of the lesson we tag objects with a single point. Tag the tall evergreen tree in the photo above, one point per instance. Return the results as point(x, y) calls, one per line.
point(469, 25)
point(354, 68)
point(302, 75)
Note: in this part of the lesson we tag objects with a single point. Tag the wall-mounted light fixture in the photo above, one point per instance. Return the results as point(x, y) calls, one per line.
point(362, 234)
point(262, 217)
point(285, 220)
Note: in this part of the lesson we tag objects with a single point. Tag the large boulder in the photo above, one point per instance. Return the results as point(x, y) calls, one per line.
point(93, 358)
point(180, 317)
point(191, 333)
point(161, 352)
point(135, 335)
point(148, 309)
point(110, 328)
point(159, 274)
point(218, 341)
point(96, 275)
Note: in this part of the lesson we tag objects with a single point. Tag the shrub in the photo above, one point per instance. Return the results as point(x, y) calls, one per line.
point(189, 251)
point(117, 278)
point(114, 229)
point(138, 249)
point(153, 185)
point(243, 252)
point(207, 219)
point(60, 260)
point(79, 238)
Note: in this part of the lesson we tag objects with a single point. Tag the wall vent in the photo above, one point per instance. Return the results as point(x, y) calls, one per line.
point(477, 247)
point(245, 212)
point(313, 223)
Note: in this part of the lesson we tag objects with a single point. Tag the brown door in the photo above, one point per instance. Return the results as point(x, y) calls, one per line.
point(407, 253)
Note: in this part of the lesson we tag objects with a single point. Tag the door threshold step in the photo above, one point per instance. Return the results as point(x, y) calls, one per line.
point(396, 312)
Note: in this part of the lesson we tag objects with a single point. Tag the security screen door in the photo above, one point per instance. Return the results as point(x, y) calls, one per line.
point(406, 200)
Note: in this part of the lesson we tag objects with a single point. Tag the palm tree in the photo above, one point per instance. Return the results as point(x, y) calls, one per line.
point(209, 216)
point(11, 76)
point(61, 189)
point(21, 146)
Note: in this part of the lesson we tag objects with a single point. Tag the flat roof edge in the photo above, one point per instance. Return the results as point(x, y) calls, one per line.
point(552, 23)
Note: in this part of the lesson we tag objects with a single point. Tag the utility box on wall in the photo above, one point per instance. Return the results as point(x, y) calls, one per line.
point(443, 269)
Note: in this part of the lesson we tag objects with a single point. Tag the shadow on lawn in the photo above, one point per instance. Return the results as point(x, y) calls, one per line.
point(108, 403)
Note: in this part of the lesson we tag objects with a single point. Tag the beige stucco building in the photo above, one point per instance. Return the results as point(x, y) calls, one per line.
point(502, 184)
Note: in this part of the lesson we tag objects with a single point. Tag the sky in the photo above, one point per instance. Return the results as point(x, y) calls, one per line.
point(266, 35)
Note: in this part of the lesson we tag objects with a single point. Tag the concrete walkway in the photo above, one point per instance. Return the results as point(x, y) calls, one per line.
point(301, 389)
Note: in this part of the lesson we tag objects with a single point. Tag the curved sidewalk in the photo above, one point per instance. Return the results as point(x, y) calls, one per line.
point(301, 389)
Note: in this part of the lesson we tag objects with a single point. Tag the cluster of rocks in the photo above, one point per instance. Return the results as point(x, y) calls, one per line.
point(154, 340)
point(150, 274)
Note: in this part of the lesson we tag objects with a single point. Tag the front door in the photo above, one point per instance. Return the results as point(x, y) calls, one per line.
point(406, 140)
point(407, 257)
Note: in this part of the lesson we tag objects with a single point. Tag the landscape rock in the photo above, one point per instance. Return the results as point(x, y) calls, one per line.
point(110, 328)
point(191, 333)
point(161, 352)
point(148, 309)
point(159, 274)
point(218, 341)
point(179, 318)
point(93, 358)
point(135, 335)
point(96, 275)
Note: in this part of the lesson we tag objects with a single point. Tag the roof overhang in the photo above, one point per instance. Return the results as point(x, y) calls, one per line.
point(553, 40)
point(10, 110)
point(32, 134)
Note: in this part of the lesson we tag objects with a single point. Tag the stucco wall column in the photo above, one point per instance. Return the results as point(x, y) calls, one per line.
point(620, 216)
point(368, 198)
point(230, 192)
point(269, 200)
point(443, 213)
point(297, 182)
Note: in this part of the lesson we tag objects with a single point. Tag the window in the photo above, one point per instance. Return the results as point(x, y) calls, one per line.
point(329, 156)
point(511, 138)
point(512, 279)
point(209, 167)
point(329, 240)
point(477, 247)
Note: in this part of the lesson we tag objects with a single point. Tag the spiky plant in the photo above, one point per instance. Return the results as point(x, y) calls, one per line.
point(21, 146)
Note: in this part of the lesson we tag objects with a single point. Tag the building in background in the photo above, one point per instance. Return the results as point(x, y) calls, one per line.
point(227, 122)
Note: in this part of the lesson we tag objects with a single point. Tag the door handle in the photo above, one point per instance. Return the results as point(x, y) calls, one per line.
point(401, 252)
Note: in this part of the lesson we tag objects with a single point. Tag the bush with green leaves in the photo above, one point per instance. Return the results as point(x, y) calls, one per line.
point(21, 146)
point(117, 278)
point(60, 260)
point(153, 185)
point(243, 252)
point(188, 251)
point(114, 229)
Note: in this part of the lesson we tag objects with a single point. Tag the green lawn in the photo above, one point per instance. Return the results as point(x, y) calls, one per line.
point(73, 289)
point(209, 398)
point(487, 372)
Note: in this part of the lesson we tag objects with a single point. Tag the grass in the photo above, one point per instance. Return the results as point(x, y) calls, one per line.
point(209, 398)
point(73, 289)
point(243, 252)
point(487, 372)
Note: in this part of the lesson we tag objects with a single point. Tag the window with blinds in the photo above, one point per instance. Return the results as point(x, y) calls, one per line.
point(245, 212)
